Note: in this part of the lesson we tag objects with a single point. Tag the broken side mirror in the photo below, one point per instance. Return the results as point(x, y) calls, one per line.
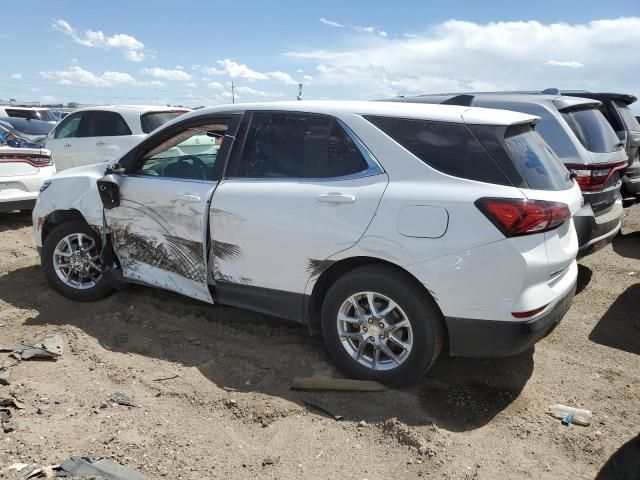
point(109, 190)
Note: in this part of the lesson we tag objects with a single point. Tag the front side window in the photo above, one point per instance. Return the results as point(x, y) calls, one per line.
point(69, 127)
point(296, 145)
point(191, 154)
point(592, 129)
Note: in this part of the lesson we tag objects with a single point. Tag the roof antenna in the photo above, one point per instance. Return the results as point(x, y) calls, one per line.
point(299, 97)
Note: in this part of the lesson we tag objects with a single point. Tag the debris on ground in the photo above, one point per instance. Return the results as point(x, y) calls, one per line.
point(8, 426)
point(270, 461)
point(95, 467)
point(18, 466)
point(50, 348)
point(168, 377)
point(569, 415)
point(340, 384)
point(323, 409)
point(11, 402)
point(5, 377)
point(42, 409)
point(123, 399)
point(406, 436)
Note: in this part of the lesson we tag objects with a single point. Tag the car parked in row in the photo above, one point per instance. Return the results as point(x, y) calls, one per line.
point(585, 142)
point(23, 169)
point(389, 227)
point(98, 134)
point(32, 113)
point(32, 130)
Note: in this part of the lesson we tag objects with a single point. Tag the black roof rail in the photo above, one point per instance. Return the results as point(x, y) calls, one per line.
point(550, 91)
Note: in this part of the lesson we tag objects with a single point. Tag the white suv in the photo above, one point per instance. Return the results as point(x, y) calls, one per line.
point(390, 227)
point(98, 134)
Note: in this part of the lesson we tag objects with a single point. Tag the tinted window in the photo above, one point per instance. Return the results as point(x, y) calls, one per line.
point(68, 128)
point(448, 147)
point(592, 129)
point(630, 120)
point(45, 115)
point(153, 120)
point(103, 124)
point(291, 145)
point(30, 127)
point(535, 160)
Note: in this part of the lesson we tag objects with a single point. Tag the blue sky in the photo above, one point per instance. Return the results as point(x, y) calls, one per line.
point(148, 52)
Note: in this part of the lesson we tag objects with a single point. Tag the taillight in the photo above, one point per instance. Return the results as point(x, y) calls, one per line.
point(517, 216)
point(594, 177)
point(33, 160)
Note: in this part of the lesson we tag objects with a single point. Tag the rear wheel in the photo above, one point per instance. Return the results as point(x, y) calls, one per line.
point(71, 262)
point(381, 325)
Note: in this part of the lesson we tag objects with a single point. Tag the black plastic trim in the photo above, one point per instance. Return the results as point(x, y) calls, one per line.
point(17, 205)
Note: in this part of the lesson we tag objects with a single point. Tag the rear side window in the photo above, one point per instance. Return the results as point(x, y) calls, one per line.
point(294, 145)
point(630, 120)
point(592, 129)
point(152, 120)
point(103, 124)
point(450, 148)
point(534, 159)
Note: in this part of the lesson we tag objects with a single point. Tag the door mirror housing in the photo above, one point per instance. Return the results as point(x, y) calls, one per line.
point(109, 190)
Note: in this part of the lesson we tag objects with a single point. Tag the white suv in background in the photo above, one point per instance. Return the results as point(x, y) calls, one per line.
point(32, 113)
point(98, 134)
point(390, 227)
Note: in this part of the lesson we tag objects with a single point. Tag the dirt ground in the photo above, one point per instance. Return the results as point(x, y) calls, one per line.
point(229, 412)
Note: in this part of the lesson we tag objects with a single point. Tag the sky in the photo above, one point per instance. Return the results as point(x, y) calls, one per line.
point(189, 52)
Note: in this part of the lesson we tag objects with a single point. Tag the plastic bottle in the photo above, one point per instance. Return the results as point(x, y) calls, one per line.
point(579, 416)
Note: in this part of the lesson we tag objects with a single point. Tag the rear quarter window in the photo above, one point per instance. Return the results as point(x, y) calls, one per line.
point(450, 148)
point(630, 121)
point(152, 120)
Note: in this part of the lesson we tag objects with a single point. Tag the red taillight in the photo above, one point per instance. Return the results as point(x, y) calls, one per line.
point(594, 177)
point(517, 216)
point(33, 160)
point(529, 313)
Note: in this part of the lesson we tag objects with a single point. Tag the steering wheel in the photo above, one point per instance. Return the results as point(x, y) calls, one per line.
point(197, 163)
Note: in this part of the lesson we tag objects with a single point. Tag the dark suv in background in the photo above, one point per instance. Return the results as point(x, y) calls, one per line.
point(583, 140)
point(615, 108)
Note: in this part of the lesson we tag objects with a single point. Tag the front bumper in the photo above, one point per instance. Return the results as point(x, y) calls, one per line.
point(499, 338)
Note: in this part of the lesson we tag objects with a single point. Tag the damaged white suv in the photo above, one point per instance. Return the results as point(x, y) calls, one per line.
point(393, 228)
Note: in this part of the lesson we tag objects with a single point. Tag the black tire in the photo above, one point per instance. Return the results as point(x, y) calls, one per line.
point(101, 289)
point(423, 314)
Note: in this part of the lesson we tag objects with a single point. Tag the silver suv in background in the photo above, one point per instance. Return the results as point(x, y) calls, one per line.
point(585, 142)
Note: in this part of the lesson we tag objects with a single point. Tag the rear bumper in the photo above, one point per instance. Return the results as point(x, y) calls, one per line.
point(21, 191)
point(9, 206)
point(596, 232)
point(498, 338)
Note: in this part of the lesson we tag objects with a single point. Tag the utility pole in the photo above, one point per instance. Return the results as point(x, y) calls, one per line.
point(233, 92)
point(299, 91)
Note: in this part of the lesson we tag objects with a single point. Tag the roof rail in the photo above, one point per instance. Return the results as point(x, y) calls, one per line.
point(463, 100)
point(550, 91)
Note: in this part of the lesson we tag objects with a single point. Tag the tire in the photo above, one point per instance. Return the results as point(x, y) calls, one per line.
point(413, 303)
point(101, 287)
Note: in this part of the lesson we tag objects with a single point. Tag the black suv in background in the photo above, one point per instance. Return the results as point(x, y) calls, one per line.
point(615, 108)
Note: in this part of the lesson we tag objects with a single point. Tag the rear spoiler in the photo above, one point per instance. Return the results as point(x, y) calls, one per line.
point(564, 104)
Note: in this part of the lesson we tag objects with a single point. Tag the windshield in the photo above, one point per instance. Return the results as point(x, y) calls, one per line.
point(151, 121)
point(29, 127)
point(627, 115)
point(592, 129)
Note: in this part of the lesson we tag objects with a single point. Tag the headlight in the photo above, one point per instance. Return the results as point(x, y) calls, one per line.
point(44, 186)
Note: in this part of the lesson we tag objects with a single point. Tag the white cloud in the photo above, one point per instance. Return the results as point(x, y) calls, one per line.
point(16, 76)
point(307, 78)
point(133, 49)
point(179, 67)
point(331, 23)
point(464, 56)
point(282, 77)
point(76, 75)
point(256, 93)
point(192, 85)
point(233, 69)
point(215, 85)
point(165, 74)
point(375, 30)
point(564, 63)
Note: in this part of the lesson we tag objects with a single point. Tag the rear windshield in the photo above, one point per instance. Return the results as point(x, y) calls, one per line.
point(535, 160)
point(627, 115)
point(151, 121)
point(45, 115)
point(450, 148)
point(592, 129)
point(30, 127)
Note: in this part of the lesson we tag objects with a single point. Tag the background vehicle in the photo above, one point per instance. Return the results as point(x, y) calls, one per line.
point(615, 108)
point(34, 113)
point(584, 141)
point(32, 130)
point(22, 172)
point(364, 219)
point(97, 134)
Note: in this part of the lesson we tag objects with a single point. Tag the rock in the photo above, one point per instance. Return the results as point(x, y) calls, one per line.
point(270, 461)
point(405, 435)
point(8, 426)
point(362, 424)
point(5, 377)
point(42, 409)
point(231, 403)
point(123, 399)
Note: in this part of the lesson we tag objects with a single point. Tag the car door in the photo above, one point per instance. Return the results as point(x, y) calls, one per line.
point(61, 140)
point(160, 229)
point(95, 129)
point(301, 189)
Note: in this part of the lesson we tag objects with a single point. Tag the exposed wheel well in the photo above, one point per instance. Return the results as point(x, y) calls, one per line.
point(335, 271)
point(57, 217)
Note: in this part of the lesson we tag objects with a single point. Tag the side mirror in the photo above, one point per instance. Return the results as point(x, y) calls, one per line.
point(109, 191)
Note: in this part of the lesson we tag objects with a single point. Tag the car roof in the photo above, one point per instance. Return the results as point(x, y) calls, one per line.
point(131, 108)
point(435, 112)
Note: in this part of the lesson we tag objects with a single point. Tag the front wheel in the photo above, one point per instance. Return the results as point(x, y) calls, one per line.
point(71, 262)
point(380, 325)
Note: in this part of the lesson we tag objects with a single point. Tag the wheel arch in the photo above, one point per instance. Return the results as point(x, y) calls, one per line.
point(57, 217)
point(313, 302)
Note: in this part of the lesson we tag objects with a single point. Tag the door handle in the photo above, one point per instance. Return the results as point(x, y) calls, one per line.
point(336, 198)
point(189, 197)
point(100, 143)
